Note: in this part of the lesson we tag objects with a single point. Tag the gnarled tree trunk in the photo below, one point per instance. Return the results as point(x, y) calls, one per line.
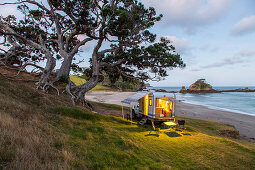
point(45, 80)
point(78, 92)
point(65, 68)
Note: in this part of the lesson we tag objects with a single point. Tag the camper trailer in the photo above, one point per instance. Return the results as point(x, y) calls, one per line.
point(155, 106)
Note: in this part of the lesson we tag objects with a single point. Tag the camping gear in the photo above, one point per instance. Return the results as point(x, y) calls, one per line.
point(170, 124)
point(181, 124)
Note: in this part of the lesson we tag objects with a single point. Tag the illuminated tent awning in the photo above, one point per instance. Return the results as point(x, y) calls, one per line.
point(135, 97)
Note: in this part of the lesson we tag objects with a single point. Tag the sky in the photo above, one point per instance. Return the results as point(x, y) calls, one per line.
point(215, 38)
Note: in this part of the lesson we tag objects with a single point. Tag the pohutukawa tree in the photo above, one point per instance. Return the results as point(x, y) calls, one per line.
point(28, 45)
point(118, 28)
point(53, 30)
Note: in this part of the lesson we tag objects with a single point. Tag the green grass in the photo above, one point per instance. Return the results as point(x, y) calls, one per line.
point(208, 127)
point(112, 143)
point(42, 131)
point(80, 80)
point(76, 113)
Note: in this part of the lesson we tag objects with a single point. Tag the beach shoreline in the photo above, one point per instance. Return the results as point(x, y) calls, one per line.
point(245, 124)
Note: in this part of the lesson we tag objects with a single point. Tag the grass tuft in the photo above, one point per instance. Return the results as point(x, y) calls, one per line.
point(76, 113)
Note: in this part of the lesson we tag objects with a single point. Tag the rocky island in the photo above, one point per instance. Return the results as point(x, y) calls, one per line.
point(200, 86)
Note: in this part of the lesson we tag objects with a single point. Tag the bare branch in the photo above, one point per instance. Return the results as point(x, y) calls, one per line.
point(72, 34)
point(32, 64)
point(10, 31)
point(76, 48)
point(126, 75)
point(3, 50)
point(12, 3)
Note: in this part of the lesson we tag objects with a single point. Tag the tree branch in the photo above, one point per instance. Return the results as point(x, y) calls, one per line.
point(76, 48)
point(119, 62)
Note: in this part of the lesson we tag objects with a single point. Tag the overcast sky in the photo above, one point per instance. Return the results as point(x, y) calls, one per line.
point(216, 39)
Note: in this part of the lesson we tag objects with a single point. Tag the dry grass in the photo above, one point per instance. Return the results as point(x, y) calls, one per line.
point(28, 138)
point(27, 145)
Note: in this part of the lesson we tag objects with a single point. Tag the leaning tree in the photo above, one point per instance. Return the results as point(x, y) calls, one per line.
point(125, 45)
point(120, 30)
point(28, 45)
point(59, 29)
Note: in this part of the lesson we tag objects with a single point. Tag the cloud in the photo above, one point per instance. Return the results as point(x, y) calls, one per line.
point(195, 69)
point(244, 26)
point(246, 53)
point(227, 61)
point(181, 44)
point(190, 13)
point(242, 56)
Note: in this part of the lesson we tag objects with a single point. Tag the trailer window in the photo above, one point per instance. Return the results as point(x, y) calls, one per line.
point(150, 102)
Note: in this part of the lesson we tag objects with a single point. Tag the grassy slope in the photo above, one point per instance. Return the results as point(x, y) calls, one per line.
point(79, 80)
point(38, 131)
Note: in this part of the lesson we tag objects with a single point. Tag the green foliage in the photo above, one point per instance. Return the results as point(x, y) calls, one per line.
point(147, 61)
point(202, 84)
point(132, 84)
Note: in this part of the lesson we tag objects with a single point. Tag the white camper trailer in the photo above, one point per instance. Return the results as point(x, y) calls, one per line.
point(155, 106)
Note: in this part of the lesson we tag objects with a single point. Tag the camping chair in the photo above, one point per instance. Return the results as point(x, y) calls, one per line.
point(155, 129)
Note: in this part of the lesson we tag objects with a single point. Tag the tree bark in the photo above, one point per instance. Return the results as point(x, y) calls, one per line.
point(65, 68)
point(45, 80)
point(78, 92)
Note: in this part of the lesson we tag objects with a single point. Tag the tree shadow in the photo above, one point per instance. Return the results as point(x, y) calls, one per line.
point(173, 134)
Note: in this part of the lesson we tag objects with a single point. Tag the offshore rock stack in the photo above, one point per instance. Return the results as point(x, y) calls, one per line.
point(200, 86)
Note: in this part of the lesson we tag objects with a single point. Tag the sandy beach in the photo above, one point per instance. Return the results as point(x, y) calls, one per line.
point(245, 124)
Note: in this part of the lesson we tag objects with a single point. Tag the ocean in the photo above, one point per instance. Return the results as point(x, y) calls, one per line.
point(238, 102)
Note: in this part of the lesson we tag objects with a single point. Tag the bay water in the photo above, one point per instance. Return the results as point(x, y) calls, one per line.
point(239, 102)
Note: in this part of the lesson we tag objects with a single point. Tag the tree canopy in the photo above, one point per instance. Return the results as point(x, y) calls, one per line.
point(120, 30)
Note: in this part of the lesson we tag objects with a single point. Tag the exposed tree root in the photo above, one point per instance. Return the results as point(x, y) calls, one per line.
point(77, 94)
point(45, 83)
